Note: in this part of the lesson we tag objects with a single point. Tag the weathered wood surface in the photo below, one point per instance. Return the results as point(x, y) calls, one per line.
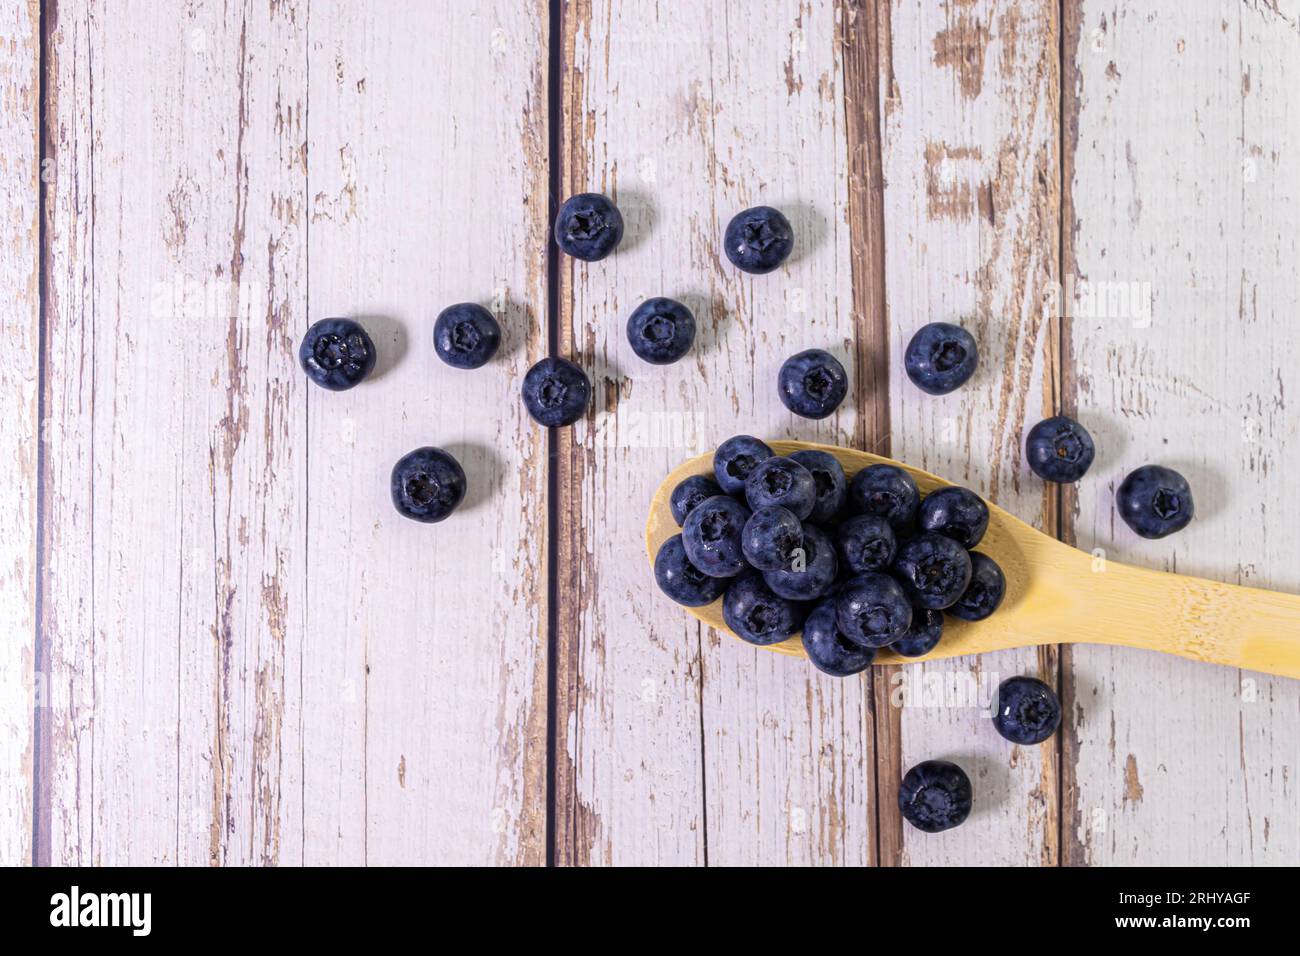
point(1186, 229)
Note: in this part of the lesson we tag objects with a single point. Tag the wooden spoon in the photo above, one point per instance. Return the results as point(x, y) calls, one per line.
point(1057, 594)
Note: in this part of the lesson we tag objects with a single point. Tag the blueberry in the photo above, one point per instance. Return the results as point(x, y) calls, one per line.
point(956, 513)
point(922, 637)
point(872, 609)
point(832, 486)
point(337, 354)
point(935, 795)
point(734, 460)
point(1028, 710)
point(556, 392)
point(682, 581)
point(1155, 501)
point(984, 593)
point(758, 240)
point(757, 615)
point(661, 331)
point(466, 335)
point(783, 482)
point(427, 484)
point(771, 538)
point(712, 536)
point(933, 569)
point(689, 493)
point(1059, 449)
point(588, 227)
point(812, 383)
point(940, 358)
point(827, 647)
point(813, 572)
point(866, 543)
point(887, 491)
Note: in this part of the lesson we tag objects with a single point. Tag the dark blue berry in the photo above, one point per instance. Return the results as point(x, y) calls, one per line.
point(758, 240)
point(1059, 449)
point(984, 593)
point(887, 491)
point(661, 331)
point(556, 392)
point(771, 538)
point(812, 574)
point(427, 484)
point(866, 543)
point(712, 536)
point(827, 647)
point(466, 335)
point(922, 637)
point(588, 227)
point(832, 486)
point(872, 609)
point(812, 383)
point(956, 513)
point(735, 459)
point(689, 493)
point(935, 795)
point(682, 581)
point(1028, 711)
point(940, 358)
point(781, 482)
point(934, 570)
point(337, 354)
point(757, 615)
point(1155, 501)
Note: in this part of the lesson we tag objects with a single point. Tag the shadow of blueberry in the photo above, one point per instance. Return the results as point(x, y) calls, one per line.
point(391, 342)
point(484, 472)
point(810, 226)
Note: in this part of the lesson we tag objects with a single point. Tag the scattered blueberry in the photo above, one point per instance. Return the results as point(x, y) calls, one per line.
point(934, 570)
point(812, 383)
point(588, 227)
point(935, 795)
point(337, 354)
point(957, 513)
point(866, 543)
point(940, 358)
point(758, 240)
point(1028, 710)
point(661, 331)
point(887, 491)
point(872, 610)
point(427, 484)
point(734, 460)
point(757, 615)
point(712, 536)
point(984, 593)
point(556, 392)
point(1059, 449)
point(1155, 501)
point(832, 486)
point(689, 493)
point(812, 575)
point(466, 335)
point(827, 647)
point(782, 482)
point(771, 538)
point(682, 581)
point(922, 637)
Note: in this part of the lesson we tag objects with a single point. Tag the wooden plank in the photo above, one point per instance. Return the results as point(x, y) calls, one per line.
point(428, 659)
point(1183, 340)
point(970, 166)
point(677, 745)
point(20, 423)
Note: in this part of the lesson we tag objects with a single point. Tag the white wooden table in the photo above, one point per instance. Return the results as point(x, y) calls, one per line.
point(222, 645)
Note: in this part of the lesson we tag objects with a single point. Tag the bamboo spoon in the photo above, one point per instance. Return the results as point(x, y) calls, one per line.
point(1057, 594)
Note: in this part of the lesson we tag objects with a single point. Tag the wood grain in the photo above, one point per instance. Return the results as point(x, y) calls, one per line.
point(20, 680)
point(1185, 232)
